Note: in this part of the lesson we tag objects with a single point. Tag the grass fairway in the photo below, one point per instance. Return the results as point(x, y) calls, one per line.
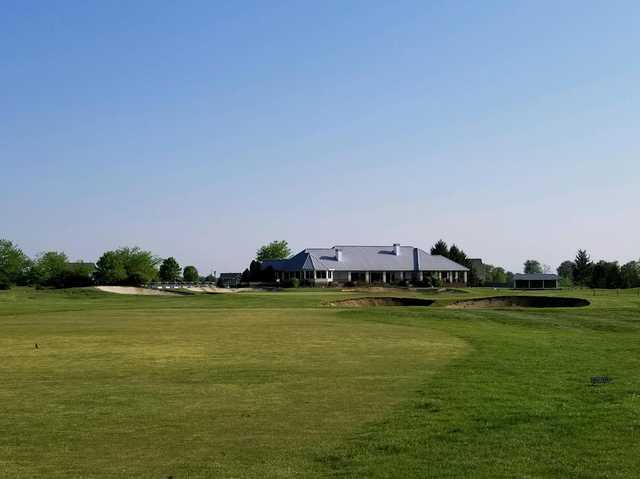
point(283, 385)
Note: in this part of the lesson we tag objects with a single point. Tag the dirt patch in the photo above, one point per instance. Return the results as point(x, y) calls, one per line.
point(382, 301)
point(520, 302)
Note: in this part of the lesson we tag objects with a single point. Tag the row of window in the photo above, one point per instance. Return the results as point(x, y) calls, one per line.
point(360, 276)
point(308, 275)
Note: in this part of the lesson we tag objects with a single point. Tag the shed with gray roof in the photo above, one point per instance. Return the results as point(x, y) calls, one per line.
point(536, 281)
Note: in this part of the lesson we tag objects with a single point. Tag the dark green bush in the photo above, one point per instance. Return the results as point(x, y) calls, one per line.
point(292, 283)
point(4, 283)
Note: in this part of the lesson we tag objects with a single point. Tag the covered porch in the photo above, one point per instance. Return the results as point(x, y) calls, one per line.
point(371, 277)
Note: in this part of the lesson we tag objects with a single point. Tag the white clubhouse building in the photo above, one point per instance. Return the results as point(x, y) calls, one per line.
point(367, 264)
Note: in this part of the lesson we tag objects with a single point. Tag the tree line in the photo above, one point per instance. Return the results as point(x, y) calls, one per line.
point(582, 271)
point(122, 267)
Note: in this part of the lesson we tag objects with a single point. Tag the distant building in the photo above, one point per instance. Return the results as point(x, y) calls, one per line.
point(367, 264)
point(229, 280)
point(536, 281)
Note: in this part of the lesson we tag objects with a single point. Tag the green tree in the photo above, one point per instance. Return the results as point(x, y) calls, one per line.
point(566, 269)
point(141, 266)
point(630, 275)
point(440, 248)
point(170, 270)
point(605, 274)
point(582, 269)
point(532, 266)
point(110, 268)
point(127, 266)
point(273, 250)
point(14, 265)
point(190, 274)
point(50, 269)
point(510, 276)
point(78, 275)
point(458, 255)
point(498, 275)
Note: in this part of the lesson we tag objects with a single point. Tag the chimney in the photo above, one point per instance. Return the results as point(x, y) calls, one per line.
point(338, 254)
point(396, 249)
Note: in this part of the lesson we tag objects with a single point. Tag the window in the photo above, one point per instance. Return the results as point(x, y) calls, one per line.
point(321, 274)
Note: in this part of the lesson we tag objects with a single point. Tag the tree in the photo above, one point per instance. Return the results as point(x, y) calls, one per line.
point(190, 274)
point(440, 248)
point(630, 275)
point(582, 269)
point(255, 271)
point(605, 274)
point(14, 265)
point(510, 276)
point(246, 276)
point(170, 270)
point(127, 266)
point(498, 275)
point(50, 269)
point(532, 266)
point(566, 269)
point(78, 275)
point(273, 250)
point(110, 268)
point(458, 255)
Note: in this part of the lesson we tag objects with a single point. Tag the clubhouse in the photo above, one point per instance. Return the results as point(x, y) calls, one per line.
point(367, 264)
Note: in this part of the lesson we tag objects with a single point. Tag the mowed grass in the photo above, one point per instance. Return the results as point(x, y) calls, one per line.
point(284, 385)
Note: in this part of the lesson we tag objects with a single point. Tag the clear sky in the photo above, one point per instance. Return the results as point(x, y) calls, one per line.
point(202, 130)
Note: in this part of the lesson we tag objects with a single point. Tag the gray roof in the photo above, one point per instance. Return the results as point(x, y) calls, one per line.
point(230, 275)
point(365, 258)
point(536, 277)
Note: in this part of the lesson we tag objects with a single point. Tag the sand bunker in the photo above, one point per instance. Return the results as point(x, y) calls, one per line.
point(520, 302)
point(382, 301)
point(134, 290)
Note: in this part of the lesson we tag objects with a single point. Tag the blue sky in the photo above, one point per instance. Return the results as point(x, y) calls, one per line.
point(202, 130)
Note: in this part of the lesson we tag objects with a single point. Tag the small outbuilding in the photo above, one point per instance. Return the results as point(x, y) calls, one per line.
point(229, 280)
point(536, 281)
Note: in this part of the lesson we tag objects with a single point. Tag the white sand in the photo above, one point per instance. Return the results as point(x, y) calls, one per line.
point(133, 290)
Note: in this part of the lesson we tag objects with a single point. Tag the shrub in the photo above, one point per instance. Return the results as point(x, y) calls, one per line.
point(292, 283)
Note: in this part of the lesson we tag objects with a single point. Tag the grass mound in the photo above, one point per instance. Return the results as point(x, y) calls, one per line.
point(520, 302)
point(382, 301)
